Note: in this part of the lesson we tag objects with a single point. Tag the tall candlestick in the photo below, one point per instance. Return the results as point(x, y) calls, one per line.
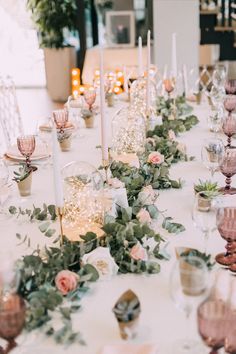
point(148, 100)
point(58, 189)
point(164, 78)
point(185, 77)
point(174, 56)
point(140, 57)
point(102, 109)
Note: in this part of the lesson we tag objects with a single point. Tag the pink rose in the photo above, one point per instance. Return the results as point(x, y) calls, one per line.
point(143, 216)
point(171, 135)
point(155, 158)
point(137, 252)
point(66, 281)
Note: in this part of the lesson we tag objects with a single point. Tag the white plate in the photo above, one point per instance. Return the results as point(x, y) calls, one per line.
point(39, 153)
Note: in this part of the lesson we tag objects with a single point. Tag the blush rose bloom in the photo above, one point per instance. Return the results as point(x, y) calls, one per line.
point(181, 147)
point(143, 216)
point(102, 260)
point(171, 135)
point(147, 196)
point(155, 158)
point(66, 281)
point(138, 252)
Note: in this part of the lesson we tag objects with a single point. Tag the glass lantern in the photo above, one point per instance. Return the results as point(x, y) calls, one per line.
point(128, 132)
point(84, 202)
point(138, 94)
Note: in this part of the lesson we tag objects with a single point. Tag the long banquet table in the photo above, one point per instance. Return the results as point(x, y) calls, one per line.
point(161, 321)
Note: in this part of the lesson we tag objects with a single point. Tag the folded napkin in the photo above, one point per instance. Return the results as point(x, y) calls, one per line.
point(128, 348)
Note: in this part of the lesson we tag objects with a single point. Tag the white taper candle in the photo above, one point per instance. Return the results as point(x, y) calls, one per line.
point(174, 56)
point(102, 108)
point(58, 188)
point(148, 91)
point(185, 76)
point(140, 57)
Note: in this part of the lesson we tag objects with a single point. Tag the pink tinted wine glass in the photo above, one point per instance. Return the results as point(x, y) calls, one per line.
point(211, 317)
point(90, 97)
point(230, 339)
point(230, 87)
point(229, 123)
point(61, 117)
point(226, 224)
point(228, 169)
point(26, 146)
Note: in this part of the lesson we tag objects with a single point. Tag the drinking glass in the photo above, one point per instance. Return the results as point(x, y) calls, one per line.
point(226, 224)
point(12, 306)
point(230, 87)
point(211, 317)
point(228, 168)
point(90, 97)
point(26, 146)
point(169, 85)
point(219, 76)
point(229, 123)
point(204, 215)
point(212, 154)
point(61, 118)
point(215, 120)
point(230, 338)
point(188, 287)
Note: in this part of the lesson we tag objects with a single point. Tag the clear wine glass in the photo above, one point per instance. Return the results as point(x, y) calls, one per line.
point(188, 287)
point(215, 120)
point(212, 154)
point(226, 224)
point(26, 146)
point(230, 87)
point(219, 76)
point(204, 214)
point(211, 317)
point(228, 168)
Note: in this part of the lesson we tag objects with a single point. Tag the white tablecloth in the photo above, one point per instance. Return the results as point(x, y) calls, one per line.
point(161, 321)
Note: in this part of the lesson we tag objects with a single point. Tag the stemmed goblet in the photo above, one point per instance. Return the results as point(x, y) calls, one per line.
point(61, 118)
point(169, 85)
point(204, 214)
point(226, 224)
point(230, 87)
point(230, 338)
point(212, 154)
point(211, 317)
point(90, 97)
point(188, 286)
point(228, 168)
point(26, 146)
point(12, 306)
point(219, 76)
point(229, 123)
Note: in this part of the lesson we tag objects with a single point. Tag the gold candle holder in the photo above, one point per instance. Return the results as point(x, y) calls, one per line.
point(60, 214)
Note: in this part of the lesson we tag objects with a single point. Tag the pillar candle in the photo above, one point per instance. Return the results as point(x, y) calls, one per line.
point(148, 91)
point(140, 57)
point(58, 188)
point(102, 108)
point(174, 56)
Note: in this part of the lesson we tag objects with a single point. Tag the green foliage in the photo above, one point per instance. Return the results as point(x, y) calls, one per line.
point(166, 107)
point(209, 189)
point(23, 172)
point(52, 18)
point(195, 253)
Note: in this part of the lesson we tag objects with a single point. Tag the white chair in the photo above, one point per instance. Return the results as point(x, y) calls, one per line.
point(10, 119)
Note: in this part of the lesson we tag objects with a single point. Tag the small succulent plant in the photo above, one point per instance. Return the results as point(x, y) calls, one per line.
point(195, 253)
point(86, 113)
point(23, 172)
point(127, 308)
point(209, 189)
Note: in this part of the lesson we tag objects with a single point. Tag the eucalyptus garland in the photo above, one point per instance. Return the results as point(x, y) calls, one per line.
point(135, 230)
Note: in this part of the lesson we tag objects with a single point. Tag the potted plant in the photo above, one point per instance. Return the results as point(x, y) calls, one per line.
point(88, 117)
point(54, 20)
point(23, 178)
point(207, 191)
point(64, 139)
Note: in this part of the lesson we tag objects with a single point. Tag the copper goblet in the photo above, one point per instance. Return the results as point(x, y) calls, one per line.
point(211, 316)
point(61, 117)
point(26, 146)
point(90, 97)
point(169, 85)
point(230, 87)
point(228, 168)
point(226, 223)
point(12, 319)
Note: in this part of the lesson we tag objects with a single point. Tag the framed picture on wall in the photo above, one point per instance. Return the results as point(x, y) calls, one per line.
point(120, 28)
